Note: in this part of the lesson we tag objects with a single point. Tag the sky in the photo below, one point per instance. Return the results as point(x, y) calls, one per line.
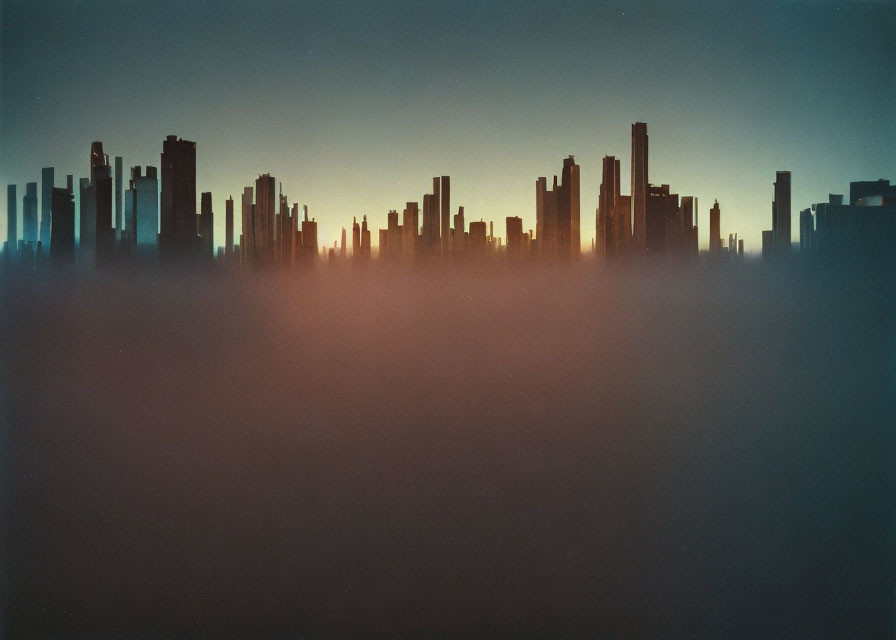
point(355, 106)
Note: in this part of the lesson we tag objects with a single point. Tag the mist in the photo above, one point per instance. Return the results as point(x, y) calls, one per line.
point(497, 452)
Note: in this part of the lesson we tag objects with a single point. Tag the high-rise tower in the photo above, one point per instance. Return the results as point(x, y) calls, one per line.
point(639, 186)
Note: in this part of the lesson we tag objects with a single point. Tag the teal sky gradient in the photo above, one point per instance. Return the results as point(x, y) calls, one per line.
point(355, 106)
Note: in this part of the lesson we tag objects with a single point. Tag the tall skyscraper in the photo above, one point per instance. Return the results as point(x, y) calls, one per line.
point(247, 224)
point(781, 213)
point(101, 181)
point(557, 213)
point(715, 233)
point(639, 186)
point(29, 213)
point(807, 228)
point(177, 236)
point(265, 204)
point(228, 227)
point(119, 223)
point(12, 220)
point(87, 226)
point(62, 235)
point(445, 209)
point(459, 239)
point(608, 230)
point(309, 236)
point(206, 226)
point(356, 239)
point(571, 244)
point(47, 180)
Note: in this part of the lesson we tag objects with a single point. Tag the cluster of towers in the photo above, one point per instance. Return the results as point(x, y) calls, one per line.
point(153, 220)
point(651, 221)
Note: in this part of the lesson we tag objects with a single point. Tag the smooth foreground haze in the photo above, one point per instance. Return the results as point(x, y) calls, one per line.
point(488, 453)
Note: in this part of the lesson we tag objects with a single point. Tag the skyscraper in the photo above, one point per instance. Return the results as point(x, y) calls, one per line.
point(12, 221)
point(807, 228)
point(87, 225)
point(228, 227)
point(177, 236)
point(557, 212)
point(206, 226)
point(62, 238)
point(309, 236)
point(119, 223)
point(445, 209)
point(514, 238)
point(101, 181)
point(639, 185)
point(265, 203)
point(247, 224)
point(29, 213)
point(47, 179)
point(608, 231)
point(781, 213)
point(715, 233)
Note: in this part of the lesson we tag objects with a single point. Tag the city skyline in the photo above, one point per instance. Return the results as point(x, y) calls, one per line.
point(355, 124)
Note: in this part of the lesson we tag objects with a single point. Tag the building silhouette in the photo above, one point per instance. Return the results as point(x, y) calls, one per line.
point(781, 214)
point(12, 222)
point(557, 215)
point(639, 186)
point(861, 232)
point(445, 212)
point(29, 214)
point(101, 181)
point(62, 240)
point(119, 177)
point(662, 220)
point(265, 203)
point(514, 233)
point(228, 228)
point(807, 230)
point(47, 180)
point(206, 226)
point(247, 225)
point(177, 233)
point(715, 233)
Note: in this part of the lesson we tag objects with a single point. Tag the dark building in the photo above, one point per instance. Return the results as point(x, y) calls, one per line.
point(177, 234)
point(478, 239)
point(87, 223)
point(662, 220)
point(768, 243)
point(445, 211)
point(807, 229)
point(119, 222)
point(62, 239)
point(868, 190)
point(458, 240)
point(687, 217)
point(781, 213)
point(309, 237)
point(861, 233)
point(557, 215)
point(47, 181)
point(29, 214)
point(265, 205)
point(639, 186)
point(206, 226)
point(247, 224)
point(515, 238)
point(613, 221)
point(228, 228)
point(12, 221)
point(101, 181)
point(715, 233)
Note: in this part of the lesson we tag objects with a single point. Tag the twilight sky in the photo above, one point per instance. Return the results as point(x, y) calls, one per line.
point(356, 105)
